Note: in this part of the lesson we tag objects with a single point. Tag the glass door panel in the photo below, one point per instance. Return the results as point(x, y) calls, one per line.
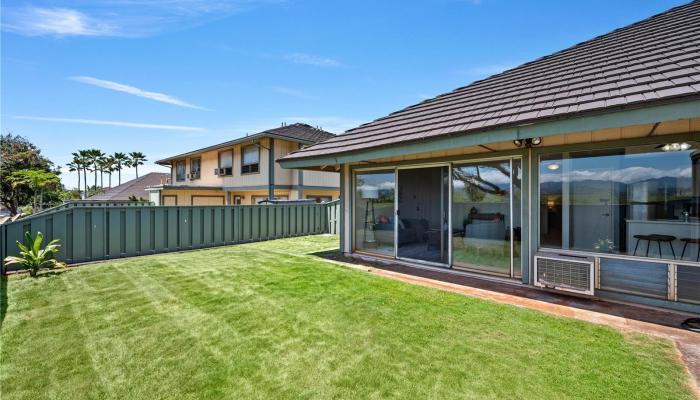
point(374, 212)
point(483, 216)
point(422, 214)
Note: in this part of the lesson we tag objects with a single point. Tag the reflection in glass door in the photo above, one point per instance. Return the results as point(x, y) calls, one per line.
point(423, 214)
point(486, 216)
point(374, 212)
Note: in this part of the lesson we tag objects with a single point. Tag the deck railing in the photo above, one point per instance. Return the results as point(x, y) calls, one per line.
point(90, 232)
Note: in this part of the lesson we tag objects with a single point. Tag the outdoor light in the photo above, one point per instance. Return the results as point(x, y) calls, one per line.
point(675, 146)
point(553, 166)
point(536, 141)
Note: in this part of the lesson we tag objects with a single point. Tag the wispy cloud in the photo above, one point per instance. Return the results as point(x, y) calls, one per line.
point(36, 21)
point(311, 59)
point(293, 92)
point(120, 87)
point(130, 18)
point(330, 123)
point(109, 123)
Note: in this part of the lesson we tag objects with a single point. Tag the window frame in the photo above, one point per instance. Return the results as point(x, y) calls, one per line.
point(178, 177)
point(535, 195)
point(227, 173)
point(198, 173)
point(251, 170)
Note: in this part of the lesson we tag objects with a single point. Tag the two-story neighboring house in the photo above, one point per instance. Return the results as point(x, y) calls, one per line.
point(245, 171)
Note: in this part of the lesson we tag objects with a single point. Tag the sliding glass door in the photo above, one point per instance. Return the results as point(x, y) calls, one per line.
point(422, 214)
point(486, 216)
point(468, 216)
point(374, 212)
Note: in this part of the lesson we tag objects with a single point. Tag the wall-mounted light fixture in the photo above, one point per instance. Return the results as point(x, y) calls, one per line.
point(536, 141)
point(674, 146)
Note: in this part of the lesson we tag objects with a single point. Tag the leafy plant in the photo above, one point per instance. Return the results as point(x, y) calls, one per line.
point(37, 181)
point(17, 153)
point(33, 257)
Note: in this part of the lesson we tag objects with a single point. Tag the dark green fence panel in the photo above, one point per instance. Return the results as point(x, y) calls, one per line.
point(333, 217)
point(89, 232)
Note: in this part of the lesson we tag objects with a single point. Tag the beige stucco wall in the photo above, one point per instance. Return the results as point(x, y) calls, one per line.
point(334, 194)
point(318, 178)
point(184, 196)
point(248, 195)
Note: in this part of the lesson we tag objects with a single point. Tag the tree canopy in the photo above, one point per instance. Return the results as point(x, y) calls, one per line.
point(17, 154)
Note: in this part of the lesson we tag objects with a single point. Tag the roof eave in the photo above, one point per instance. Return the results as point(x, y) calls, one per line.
point(257, 136)
point(688, 107)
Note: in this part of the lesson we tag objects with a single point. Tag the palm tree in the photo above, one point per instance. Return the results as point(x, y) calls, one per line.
point(73, 166)
point(102, 166)
point(81, 159)
point(120, 159)
point(94, 156)
point(136, 159)
point(109, 166)
point(84, 157)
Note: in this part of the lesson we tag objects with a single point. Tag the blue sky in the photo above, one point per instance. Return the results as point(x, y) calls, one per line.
point(164, 77)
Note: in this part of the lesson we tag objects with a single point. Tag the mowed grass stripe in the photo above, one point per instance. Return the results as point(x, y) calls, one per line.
point(270, 320)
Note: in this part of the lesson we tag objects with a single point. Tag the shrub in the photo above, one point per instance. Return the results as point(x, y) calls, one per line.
point(33, 257)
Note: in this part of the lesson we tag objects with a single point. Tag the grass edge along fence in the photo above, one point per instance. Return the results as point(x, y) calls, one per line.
point(89, 232)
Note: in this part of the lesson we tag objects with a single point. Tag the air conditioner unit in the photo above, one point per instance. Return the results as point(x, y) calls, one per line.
point(188, 177)
point(569, 274)
point(216, 171)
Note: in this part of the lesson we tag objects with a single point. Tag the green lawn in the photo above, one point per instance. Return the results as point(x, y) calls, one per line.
point(269, 320)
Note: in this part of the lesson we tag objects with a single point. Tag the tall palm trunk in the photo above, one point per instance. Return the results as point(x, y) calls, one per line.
point(102, 177)
point(137, 171)
point(120, 174)
point(79, 194)
point(109, 175)
point(94, 166)
point(85, 182)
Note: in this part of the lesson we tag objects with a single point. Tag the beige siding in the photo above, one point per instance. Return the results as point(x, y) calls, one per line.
point(317, 178)
point(208, 200)
point(184, 196)
point(247, 195)
point(334, 194)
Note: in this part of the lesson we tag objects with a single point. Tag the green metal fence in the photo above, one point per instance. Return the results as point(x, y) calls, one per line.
point(333, 217)
point(88, 232)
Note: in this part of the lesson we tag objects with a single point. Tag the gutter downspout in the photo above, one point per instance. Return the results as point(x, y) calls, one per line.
point(300, 181)
point(271, 169)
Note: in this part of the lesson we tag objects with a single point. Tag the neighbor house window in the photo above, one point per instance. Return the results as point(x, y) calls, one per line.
point(180, 171)
point(250, 161)
point(641, 201)
point(225, 163)
point(237, 200)
point(195, 168)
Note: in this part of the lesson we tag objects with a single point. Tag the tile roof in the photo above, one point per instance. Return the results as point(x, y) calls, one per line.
point(304, 132)
point(654, 60)
point(135, 187)
point(298, 132)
